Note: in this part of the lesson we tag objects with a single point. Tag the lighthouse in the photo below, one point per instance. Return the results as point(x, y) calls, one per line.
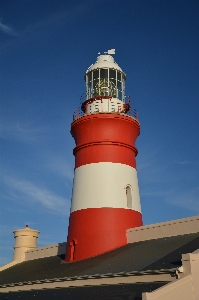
point(105, 199)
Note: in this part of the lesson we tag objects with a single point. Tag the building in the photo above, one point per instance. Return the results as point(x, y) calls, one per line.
point(105, 200)
point(109, 253)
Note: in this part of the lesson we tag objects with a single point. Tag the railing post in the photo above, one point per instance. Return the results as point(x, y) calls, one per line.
point(131, 111)
point(76, 113)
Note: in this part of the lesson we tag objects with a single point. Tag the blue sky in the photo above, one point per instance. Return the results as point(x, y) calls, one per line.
point(46, 48)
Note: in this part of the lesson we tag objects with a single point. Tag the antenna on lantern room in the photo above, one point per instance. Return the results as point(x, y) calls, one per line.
point(111, 51)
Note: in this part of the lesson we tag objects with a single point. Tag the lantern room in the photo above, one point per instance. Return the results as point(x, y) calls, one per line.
point(105, 86)
point(105, 78)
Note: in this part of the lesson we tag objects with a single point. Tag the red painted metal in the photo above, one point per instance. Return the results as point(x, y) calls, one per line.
point(98, 230)
point(102, 137)
point(105, 137)
point(105, 151)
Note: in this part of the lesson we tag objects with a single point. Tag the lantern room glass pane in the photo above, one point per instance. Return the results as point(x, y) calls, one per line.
point(119, 84)
point(112, 74)
point(119, 90)
point(95, 74)
point(95, 82)
point(89, 77)
point(118, 76)
point(112, 82)
point(89, 85)
point(103, 73)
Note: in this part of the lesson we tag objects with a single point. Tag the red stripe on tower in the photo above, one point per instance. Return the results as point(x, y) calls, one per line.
point(105, 200)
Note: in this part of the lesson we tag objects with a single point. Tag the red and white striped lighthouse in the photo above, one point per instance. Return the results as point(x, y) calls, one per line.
point(105, 199)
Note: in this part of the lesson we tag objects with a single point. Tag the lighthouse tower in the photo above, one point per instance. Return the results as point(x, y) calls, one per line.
point(105, 199)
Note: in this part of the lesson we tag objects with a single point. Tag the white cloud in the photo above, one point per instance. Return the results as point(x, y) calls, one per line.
point(35, 194)
point(4, 261)
point(60, 166)
point(48, 240)
point(5, 230)
point(57, 19)
point(154, 194)
point(188, 200)
point(6, 244)
point(22, 132)
point(186, 162)
point(7, 29)
point(45, 27)
point(170, 182)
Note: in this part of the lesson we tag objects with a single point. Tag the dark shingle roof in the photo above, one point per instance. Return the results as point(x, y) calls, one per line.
point(107, 292)
point(156, 254)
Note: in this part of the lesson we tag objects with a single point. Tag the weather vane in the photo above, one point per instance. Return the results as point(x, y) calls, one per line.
point(111, 51)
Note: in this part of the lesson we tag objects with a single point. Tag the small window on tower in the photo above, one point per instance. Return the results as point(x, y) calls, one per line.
point(129, 196)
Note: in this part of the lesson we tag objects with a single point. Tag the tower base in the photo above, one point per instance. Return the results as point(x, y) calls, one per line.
point(93, 231)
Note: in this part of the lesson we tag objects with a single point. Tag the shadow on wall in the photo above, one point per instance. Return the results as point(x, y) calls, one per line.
point(61, 250)
point(47, 251)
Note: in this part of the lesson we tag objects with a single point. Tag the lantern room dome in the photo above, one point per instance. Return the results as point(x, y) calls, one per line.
point(104, 61)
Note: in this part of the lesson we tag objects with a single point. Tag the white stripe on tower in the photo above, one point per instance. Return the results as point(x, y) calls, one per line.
point(104, 184)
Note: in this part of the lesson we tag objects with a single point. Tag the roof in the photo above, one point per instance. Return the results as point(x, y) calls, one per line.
point(104, 61)
point(107, 292)
point(26, 229)
point(162, 253)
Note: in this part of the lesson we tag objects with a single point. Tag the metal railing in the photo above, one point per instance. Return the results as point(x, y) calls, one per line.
point(127, 109)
